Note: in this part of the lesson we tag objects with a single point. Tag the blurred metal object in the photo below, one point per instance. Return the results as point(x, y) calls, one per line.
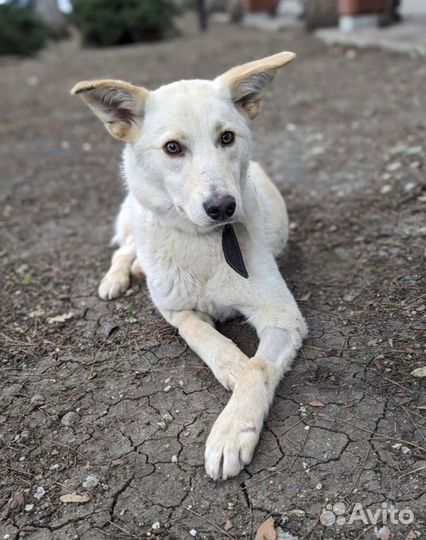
point(320, 14)
point(202, 15)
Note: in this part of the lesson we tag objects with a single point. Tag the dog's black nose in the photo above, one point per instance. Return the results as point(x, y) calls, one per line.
point(220, 207)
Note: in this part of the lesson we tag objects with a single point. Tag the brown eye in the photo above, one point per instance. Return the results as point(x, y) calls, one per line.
point(227, 137)
point(173, 148)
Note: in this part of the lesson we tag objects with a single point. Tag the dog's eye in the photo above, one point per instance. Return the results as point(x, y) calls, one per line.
point(173, 148)
point(227, 137)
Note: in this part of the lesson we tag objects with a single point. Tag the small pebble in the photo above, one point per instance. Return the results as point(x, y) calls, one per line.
point(70, 419)
point(91, 481)
point(28, 507)
point(174, 459)
point(39, 493)
point(386, 189)
point(167, 388)
point(32, 81)
point(86, 147)
point(37, 401)
point(193, 532)
point(156, 525)
point(394, 166)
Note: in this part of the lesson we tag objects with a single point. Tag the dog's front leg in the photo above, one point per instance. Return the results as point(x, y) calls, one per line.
point(233, 439)
point(222, 356)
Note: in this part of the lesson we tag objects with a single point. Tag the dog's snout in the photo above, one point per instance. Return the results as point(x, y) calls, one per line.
point(220, 207)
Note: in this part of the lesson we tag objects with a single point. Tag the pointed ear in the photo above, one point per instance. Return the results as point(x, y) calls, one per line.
point(118, 104)
point(247, 83)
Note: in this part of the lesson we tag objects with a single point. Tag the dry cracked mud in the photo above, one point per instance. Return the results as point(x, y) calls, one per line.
point(342, 134)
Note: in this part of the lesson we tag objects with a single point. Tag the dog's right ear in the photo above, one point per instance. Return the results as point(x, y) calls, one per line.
point(118, 104)
point(247, 83)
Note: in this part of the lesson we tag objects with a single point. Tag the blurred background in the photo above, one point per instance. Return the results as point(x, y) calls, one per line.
point(108, 389)
point(28, 25)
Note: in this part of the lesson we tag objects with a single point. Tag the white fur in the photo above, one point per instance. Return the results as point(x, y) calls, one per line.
point(162, 221)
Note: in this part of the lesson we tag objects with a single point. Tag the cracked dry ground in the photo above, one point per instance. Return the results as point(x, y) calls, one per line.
point(341, 136)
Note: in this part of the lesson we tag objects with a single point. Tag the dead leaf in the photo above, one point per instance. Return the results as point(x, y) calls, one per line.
point(117, 463)
point(267, 530)
point(75, 498)
point(17, 503)
point(36, 313)
point(228, 525)
point(419, 372)
point(61, 318)
point(316, 403)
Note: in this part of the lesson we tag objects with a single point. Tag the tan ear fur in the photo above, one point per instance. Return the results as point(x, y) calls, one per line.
point(120, 105)
point(247, 82)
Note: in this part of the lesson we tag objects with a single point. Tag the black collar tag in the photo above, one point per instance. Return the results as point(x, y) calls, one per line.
point(232, 251)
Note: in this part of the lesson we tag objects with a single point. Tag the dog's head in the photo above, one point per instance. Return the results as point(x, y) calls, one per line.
point(189, 141)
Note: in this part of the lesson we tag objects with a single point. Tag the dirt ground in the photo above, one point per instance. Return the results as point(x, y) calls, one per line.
point(342, 135)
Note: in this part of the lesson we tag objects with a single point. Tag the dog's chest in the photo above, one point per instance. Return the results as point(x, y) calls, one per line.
point(182, 270)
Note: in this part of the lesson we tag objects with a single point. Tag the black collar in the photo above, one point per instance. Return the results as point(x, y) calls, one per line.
point(232, 251)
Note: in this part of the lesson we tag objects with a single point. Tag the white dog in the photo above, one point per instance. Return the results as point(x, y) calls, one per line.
point(192, 192)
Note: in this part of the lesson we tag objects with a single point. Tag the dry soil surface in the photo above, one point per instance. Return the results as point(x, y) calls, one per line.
point(341, 134)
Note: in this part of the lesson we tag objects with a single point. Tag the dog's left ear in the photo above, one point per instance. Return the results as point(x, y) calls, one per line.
point(120, 105)
point(247, 83)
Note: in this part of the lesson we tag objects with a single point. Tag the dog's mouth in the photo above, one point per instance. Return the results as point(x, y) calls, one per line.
point(211, 225)
point(221, 224)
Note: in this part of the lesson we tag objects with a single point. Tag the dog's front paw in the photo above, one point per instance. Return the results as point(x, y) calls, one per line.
point(229, 370)
point(113, 284)
point(232, 441)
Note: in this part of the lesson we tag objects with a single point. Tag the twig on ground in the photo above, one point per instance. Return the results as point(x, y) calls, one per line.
point(407, 390)
point(407, 412)
point(308, 533)
point(408, 443)
point(360, 472)
point(284, 466)
point(212, 523)
point(411, 472)
point(123, 530)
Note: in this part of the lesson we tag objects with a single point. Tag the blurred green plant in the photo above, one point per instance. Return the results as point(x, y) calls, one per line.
point(22, 32)
point(104, 23)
